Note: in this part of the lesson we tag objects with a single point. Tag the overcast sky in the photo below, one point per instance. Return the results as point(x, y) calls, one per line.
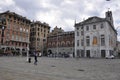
point(63, 13)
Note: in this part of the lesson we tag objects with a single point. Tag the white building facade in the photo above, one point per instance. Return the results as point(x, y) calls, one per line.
point(95, 37)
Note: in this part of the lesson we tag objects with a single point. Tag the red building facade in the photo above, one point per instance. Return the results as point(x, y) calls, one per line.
point(14, 33)
point(60, 43)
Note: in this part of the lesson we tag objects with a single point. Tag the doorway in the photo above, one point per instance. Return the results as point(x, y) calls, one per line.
point(88, 53)
point(103, 53)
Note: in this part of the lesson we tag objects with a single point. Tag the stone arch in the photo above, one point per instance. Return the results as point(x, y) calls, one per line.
point(53, 44)
point(62, 43)
point(49, 44)
point(67, 43)
point(59, 44)
point(72, 43)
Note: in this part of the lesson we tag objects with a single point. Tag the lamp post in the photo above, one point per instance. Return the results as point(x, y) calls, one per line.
point(27, 49)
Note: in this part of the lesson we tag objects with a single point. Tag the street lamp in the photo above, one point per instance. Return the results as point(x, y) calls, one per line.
point(27, 49)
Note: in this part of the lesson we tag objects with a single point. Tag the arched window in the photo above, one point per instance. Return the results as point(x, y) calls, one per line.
point(53, 44)
point(62, 44)
point(49, 44)
point(58, 44)
point(68, 43)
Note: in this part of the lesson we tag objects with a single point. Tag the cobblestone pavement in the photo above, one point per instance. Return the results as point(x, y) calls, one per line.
point(16, 68)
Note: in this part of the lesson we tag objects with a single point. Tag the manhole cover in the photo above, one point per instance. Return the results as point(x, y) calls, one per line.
point(53, 66)
point(80, 70)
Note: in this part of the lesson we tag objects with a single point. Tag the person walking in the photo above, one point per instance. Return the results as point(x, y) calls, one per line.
point(35, 58)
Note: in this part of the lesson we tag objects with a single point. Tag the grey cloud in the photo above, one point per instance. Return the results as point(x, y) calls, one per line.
point(69, 9)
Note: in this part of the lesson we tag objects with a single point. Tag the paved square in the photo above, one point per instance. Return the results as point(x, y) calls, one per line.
point(16, 68)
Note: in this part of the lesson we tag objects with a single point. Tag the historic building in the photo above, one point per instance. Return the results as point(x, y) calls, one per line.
point(60, 43)
point(38, 36)
point(14, 33)
point(95, 37)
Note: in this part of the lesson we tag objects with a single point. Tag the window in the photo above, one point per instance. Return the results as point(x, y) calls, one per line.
point(77, 28)
point(38, 29)
point(102, 40)
point(82, 42)
point(16, 43)
point(44, 35)
point(77, 33)
point(82, 27)
point(38, 39)
point(38, 33)
point(87, 28)
point(44, 40)
point(44, 30)
point(77, 42)
point(101, 26)
point(82, 33)
point(87, 41)
point(94, 26)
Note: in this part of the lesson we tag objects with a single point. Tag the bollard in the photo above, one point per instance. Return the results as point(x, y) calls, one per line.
point(29, 60)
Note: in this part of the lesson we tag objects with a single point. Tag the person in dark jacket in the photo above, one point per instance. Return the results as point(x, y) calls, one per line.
point(35, 58)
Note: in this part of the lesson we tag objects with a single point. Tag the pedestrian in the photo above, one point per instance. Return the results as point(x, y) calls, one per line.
point(35, 58)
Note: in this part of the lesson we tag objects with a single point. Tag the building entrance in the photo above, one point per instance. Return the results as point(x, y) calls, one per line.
point(88, 53)
point(103, 53)
point(82, 53)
